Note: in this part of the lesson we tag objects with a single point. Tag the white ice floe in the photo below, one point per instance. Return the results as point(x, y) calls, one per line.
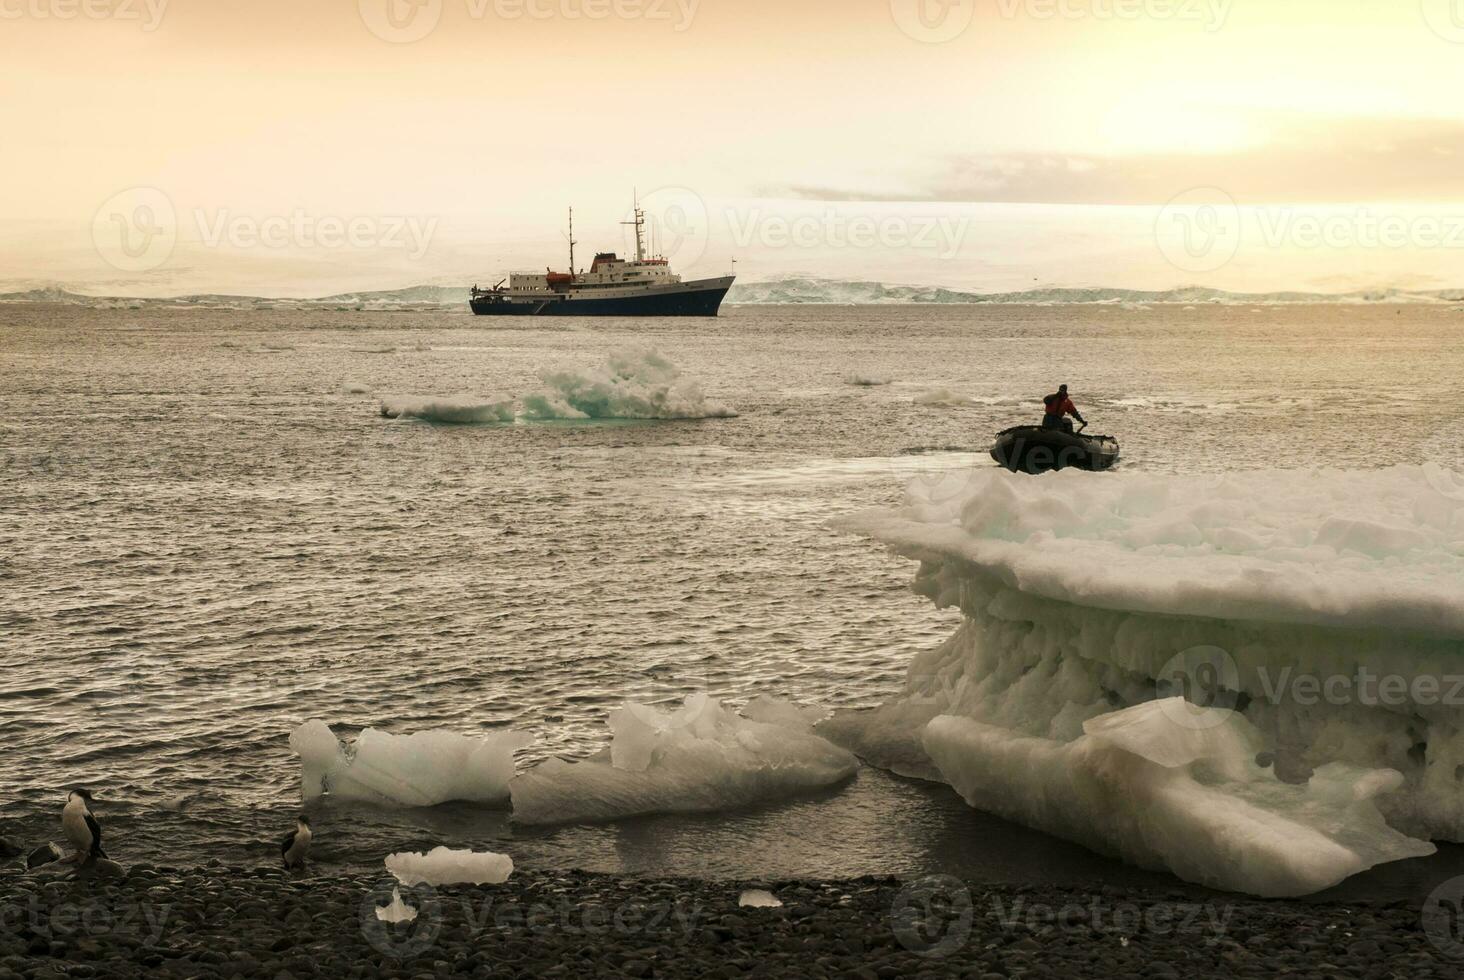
point(758, 898)
point(421, 769)
point(397, 911)
point(702, 757)
point(1325, 608)
point(455, 410)
point(444, 866)
point(632, 384)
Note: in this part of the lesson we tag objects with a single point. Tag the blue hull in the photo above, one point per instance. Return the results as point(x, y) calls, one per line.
point(697, 302)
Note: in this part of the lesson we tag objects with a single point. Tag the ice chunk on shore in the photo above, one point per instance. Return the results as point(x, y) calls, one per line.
point(701, 757)
point(758, 898)
point(421, 769)
point(444, 866)
point(633, 384)
point(397, 911)
point(450, 410)
point(1327, 608)
point(1161, 794)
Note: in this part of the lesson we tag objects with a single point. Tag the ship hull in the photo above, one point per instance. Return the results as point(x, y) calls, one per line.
point(702, 298)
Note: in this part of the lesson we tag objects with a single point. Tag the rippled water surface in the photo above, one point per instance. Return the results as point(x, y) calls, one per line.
point(210, 534)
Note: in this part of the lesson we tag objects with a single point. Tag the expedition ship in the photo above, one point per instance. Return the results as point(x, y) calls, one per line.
point(644, 286)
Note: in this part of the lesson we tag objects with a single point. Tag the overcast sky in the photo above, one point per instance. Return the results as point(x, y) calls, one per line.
point(288, 147)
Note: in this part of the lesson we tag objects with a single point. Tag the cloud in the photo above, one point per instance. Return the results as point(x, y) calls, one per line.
point(1335, 161)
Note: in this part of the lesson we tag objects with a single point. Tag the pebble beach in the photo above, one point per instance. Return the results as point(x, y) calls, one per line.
point(222, 921)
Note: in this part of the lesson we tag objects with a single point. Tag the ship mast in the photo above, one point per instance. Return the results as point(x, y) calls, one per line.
point(572, 242)
point(639, 222)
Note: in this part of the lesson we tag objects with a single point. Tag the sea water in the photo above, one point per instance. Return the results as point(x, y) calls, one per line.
point(213, 534)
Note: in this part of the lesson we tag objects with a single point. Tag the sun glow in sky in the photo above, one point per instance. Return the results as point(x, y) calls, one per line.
point(1056, 130)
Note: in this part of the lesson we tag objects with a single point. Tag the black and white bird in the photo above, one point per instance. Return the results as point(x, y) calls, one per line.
point(80, 827)
point(296, 845)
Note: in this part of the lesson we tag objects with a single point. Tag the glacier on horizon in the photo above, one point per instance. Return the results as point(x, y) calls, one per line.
point(1255, 682)
point(787, 290)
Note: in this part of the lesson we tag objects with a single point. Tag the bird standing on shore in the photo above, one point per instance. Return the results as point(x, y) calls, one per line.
point(296, 845)
point(80, 827)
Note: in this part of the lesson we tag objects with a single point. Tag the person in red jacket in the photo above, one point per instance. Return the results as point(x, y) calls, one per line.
point(1058, 405)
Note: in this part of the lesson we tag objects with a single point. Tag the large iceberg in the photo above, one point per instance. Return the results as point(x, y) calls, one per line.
point(700, 757)
point(1255, 681)
point(421, 769)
